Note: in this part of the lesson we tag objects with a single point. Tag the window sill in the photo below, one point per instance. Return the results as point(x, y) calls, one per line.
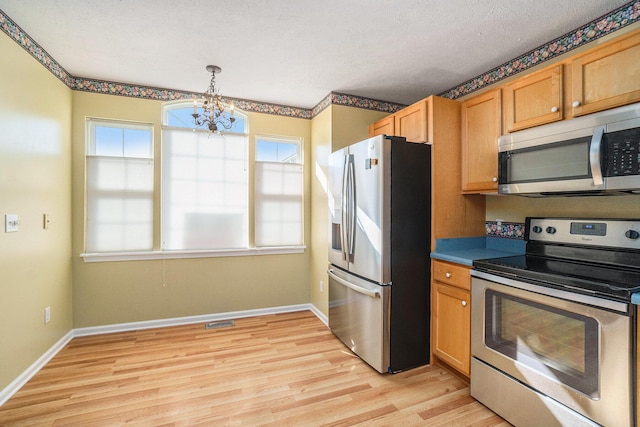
point(154, 255)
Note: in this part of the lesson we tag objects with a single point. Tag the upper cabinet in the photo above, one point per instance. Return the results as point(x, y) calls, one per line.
point(411, 122)
point(533, 100)
point(384, 126)
point(481, 118)
point(607, 76)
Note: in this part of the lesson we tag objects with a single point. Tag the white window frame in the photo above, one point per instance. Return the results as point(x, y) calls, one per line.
point(184, 254)
point(284, 210)
point(134, 188)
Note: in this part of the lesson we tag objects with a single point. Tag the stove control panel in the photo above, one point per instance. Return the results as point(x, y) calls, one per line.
point(614, 233)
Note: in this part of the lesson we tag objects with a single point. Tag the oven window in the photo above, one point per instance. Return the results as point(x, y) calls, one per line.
point(565, 160)
point(554, 342)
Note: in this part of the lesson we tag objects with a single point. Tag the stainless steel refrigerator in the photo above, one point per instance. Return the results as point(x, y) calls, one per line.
point(379, 240)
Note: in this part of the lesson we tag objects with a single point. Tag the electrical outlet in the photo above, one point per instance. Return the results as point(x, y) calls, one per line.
point(47, 315)
point(321, 286)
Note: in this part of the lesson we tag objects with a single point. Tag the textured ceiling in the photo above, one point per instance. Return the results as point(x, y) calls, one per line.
point(295, 52)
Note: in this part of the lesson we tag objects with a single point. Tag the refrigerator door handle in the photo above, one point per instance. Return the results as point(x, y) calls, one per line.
point(352, 209)
point(372, 294)
point(344, 208)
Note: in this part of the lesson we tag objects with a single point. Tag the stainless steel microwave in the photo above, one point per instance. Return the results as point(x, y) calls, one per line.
point(594, 154)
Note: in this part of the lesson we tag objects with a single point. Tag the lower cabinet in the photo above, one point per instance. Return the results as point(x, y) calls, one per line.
point(451, 315)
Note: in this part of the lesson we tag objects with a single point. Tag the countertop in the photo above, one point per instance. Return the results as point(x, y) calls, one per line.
point(465, 250)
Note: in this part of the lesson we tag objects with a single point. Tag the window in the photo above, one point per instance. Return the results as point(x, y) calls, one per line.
point(205, 200)
point(179, 115)
point(205, 187)
point(205, 190)
point(119, 186)
point(278, 199)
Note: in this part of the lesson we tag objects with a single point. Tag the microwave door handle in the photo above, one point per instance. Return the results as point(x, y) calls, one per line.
point(594, 156)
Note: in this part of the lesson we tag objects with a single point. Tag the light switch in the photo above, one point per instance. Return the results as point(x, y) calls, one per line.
point(11, 223)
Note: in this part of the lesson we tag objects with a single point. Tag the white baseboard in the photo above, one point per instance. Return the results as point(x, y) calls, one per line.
point(320, 315)
point(22, 379)
point(161, 323)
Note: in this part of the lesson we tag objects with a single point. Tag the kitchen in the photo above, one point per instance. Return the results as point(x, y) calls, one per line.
point(91, 285)
point(540, 160)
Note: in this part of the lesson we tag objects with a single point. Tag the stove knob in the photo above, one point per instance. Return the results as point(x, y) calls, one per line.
point(632, 234)
point(536, 229)
point(551, 230)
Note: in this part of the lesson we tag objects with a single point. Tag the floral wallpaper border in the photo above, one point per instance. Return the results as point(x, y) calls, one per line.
point(615, 20)
point(507, 230)
point(337, 98)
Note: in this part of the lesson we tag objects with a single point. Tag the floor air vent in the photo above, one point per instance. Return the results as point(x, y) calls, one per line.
point(219, 324)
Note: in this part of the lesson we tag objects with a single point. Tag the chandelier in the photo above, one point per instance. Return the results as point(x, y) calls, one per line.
point(213, 116)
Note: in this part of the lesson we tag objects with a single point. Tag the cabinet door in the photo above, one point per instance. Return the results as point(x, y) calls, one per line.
point(481, 118)
point(384, 126)
point(533, 100)
point(606, 77)
point(411, 122)
point(452, 326)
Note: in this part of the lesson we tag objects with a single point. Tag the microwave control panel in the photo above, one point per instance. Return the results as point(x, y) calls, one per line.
point(623, 152)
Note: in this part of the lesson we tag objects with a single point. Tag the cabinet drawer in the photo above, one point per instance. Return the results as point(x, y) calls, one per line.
point(452, 274)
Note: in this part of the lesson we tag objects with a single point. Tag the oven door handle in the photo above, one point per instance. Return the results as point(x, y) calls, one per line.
point(595, 159)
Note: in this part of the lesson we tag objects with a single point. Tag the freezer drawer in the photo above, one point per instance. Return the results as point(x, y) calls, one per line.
point(359, 317)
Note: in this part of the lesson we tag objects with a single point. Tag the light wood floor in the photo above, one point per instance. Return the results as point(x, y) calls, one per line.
point(284, 370)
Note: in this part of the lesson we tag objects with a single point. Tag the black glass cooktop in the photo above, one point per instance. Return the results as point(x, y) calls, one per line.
point(580, 276)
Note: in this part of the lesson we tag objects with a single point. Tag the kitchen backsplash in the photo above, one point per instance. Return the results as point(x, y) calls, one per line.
point(507, 230)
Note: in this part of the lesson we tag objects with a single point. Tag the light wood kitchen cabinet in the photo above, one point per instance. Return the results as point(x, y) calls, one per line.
point(411, 122)
point(607, 76)
point(481, 121)
point(451, 314)
point(533, 100)
point(384, 126)
point(453, 214)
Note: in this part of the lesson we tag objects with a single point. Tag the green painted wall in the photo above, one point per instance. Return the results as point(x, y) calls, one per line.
point(35, 179)
point(517, 208)
point(119, 292)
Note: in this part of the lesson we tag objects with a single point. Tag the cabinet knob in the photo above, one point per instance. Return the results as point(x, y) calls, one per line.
point(554, 109)
point(447, 274)
point(576, 103)
point(464, 303)
point(494, 179)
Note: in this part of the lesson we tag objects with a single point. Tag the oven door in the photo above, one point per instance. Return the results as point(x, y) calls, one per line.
point(575, 354)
